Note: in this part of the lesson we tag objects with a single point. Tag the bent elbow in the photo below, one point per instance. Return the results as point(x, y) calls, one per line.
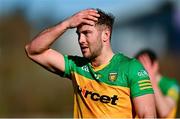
point(28, 51)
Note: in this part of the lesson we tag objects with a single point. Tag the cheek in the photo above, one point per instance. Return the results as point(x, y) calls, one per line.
point(97, 45)
point(94, 40)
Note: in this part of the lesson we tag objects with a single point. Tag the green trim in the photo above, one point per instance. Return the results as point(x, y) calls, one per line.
point(143, 92)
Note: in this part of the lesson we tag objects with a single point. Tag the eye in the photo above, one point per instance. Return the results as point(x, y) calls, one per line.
point(86, 33)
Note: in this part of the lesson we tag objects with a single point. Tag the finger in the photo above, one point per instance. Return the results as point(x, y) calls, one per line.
point(88, 11)
point(89, 17)
point(141, 58)
point(89, 22)
point(95, 14)
point(147, 63)
point(143, 61)
point(147, 59)
point(91, 12)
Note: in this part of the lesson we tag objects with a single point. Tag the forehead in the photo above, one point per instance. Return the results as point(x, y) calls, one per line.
point(86, 27)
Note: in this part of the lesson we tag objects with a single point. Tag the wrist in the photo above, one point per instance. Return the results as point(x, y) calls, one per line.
point(66, 24)
point(61, 27)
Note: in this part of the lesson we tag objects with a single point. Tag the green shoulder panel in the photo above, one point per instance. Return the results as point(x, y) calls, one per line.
point(139, 79)
point(76, 64)
point(169, 87)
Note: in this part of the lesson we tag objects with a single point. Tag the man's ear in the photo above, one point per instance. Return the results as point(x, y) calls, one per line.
point(106, 35)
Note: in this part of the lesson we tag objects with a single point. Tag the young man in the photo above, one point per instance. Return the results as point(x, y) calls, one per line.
point(105, 84)
point(166, 89)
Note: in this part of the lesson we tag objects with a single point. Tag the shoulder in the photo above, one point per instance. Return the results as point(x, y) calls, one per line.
point(121, 57)
point(170, 87)
point(169, 81)
point(128, 63)
point(77, 60)
point(131, 66)
point(125, 59)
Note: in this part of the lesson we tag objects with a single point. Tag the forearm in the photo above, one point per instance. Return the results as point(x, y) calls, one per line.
point(162, 105)
point(46, 38)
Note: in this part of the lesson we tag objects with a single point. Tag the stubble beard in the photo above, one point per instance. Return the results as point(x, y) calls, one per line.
point(93, 54)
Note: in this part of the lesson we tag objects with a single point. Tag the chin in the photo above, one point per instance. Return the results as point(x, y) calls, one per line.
point(87, 56)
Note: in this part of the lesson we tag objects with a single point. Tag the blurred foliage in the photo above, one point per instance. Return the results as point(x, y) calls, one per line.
point(26, 89)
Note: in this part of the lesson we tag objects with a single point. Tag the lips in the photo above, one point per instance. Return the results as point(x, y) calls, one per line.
point(84, 48)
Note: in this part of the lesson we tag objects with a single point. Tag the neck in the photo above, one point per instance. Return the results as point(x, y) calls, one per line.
point(104, 58)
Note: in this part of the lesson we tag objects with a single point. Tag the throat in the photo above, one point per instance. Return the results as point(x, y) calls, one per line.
point(101, 60)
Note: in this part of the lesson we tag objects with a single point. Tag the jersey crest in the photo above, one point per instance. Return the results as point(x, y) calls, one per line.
point(113, 76)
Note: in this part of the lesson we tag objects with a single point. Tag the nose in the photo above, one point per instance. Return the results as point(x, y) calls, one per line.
point(81, 39)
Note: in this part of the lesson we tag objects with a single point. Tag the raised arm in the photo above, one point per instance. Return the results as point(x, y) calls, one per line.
point(164, 104)
point(39, 48)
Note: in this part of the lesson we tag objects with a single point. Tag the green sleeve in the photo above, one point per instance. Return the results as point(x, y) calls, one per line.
point(139, 79)
point(169, 87)
point(68, 63)
point(173, 91)
point(68, 60)
point(72, 64)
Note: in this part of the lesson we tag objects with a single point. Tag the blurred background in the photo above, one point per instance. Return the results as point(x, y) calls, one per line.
point(27, 90)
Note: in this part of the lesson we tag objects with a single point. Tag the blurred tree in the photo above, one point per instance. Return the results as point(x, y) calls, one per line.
point(25, 89)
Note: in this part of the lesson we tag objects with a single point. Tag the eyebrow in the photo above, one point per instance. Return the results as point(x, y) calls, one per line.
point(83, 31)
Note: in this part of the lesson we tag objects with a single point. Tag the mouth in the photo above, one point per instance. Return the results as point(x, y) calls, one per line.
point(84, 48)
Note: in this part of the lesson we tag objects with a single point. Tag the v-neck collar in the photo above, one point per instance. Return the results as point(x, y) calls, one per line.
point(98, 68)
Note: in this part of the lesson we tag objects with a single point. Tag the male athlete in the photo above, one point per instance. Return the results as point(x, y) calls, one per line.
point(166, 89)
point(106, 85)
